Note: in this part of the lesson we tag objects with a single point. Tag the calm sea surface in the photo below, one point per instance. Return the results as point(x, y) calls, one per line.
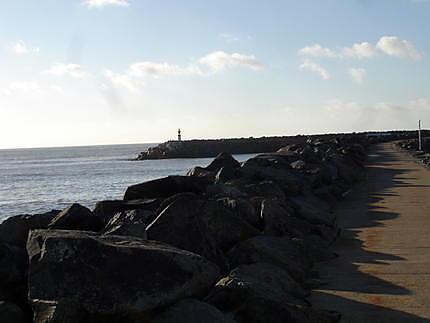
point(38, 180)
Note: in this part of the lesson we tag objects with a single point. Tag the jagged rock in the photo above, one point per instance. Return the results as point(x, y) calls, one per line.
point(201, 226)
point(243, 208)
point(259, 280)
point(200, 172)
point(279, 251)
point(166, 186)
point(267, 189)
point(220, 190)
point(226, 174)
point(312, 209)
point(106, 209)
point(275, 218)
point(223, 160)
point(192, 310)
point(275, 168)
point(14, 230)
point(130, 223)
point(76, 217)
point(110, 275)
point(11, 313)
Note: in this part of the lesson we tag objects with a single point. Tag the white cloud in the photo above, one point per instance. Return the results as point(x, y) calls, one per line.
point(72, 70)
point(357, 74)
point(360, 50)
point(389, 45)
point(317, 51)
point(21, 48)
point(219, 61)
point(314, 67)
point(123, 80)
point(103, 3)
point(159, 69)
point(394, 46)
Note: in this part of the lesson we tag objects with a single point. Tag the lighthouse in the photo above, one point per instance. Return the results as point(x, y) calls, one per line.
point(179, 135)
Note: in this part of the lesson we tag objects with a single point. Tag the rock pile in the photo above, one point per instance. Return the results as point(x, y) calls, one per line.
point(230, 242)
point(411, 146)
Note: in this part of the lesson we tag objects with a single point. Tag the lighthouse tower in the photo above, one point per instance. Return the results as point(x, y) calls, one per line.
point(179, 135)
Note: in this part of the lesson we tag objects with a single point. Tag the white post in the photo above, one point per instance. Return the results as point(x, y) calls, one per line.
point(419, 136)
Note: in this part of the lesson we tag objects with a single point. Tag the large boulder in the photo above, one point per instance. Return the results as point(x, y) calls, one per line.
point(106, 209)
point(244, 209)
point(201, 226)
point(275, 168)
point(11, 313)
point(259, 280)
point(312, 209)
point(275, 218)
point(192, 310)
point(76, 217)
point(279, 251)
point(14, 230)
point(166, 186)
point(223, 160)
point(110, 276)
point(130, 223)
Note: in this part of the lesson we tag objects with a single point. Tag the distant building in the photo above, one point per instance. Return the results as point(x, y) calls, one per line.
point(179, 135)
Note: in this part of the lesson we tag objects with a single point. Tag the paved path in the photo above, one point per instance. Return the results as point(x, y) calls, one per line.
point(383, 272)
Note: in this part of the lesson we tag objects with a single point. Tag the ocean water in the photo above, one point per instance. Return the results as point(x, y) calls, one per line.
point(38, 180)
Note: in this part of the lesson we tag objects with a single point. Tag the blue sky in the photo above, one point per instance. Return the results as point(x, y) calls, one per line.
point(123, 71)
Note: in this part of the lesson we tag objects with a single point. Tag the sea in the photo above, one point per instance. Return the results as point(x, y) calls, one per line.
point(38, 180)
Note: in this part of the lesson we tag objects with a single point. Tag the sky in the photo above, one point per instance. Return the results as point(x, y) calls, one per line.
point(88, 72)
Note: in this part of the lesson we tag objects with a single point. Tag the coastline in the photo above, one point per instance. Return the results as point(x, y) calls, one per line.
point(237, 241)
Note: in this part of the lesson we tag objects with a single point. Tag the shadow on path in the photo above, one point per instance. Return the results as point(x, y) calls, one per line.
point(354, 293)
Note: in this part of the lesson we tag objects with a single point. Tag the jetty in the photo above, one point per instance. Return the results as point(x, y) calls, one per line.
point(325, 229)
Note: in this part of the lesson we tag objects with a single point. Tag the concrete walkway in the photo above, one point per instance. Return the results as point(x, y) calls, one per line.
point(383, 272)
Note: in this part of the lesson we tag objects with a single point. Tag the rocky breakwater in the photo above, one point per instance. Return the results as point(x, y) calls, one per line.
point(411, 146)
point(212, 147)
point(231, 242)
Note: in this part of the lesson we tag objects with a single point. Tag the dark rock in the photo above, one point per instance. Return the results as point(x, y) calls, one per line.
point(106, 209)
point(130, 223)
point(275, 168)
point(275, 218)
point(166, 186)
point(312, 209)
point(220, 190)
point(200, 172)
point(223, 160)
point(260, 310)
point(244, 209)
point(201, 226)
point(11, 313)
point(226, 174)
point(259, 280)
point(192, 310)
point(111, 275)
point(266, 189)
point(14, 230)
point(13, 272)
point(279, 251)
point(298, 164)
point(76, 217)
